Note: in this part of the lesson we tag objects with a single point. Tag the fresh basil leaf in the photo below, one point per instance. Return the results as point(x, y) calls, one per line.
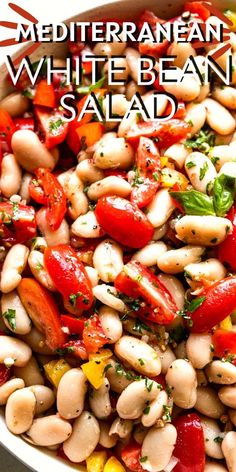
point(196, 303)
point(223, 194)
point(194, 203)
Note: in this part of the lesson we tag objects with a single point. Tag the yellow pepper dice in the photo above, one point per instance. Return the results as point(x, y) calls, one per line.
point(232, 17)
point(96, 461)
point(94, 371)
point(170, 177)
point(101, 355)
point(226, 324)
point(55, 370)
point(113, 465)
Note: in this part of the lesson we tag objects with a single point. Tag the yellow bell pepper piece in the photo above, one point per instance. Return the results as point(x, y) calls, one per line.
point(113, 465)
point(232, 16)
point(101, 355)
point(94, 371)
point(226, 324)
point(54, 371)
point(96, 461)
point(170, 177)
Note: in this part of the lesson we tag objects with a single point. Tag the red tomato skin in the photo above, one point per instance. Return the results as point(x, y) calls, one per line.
point(168, 132)
point(36, 193)
point(24, 123)
point(55, 197)
point(45, 121)
point(75, 325)
point(130, 455)
point(123, 221)
point(7, 127)
point(227, 249)
point(5, 373)
point(224, 342)
point(189, 447)
point(69, 276)
point(23, 225)
point(93, 335)
point(197, 8)
point(219, 303)
point(79, 351)
point(45, 95)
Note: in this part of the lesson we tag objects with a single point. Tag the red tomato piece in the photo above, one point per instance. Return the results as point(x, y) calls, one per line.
point(93, 335)
point(224, 342)
point(45, 95)
point(42, 309)
point(218, 301)
point(180, 113)
point(52, 126)
point(90, 133)
point(130, 455)
point(197, 8)
point(168, 132)
point(24, 123)
point(7, 127)
point(155, 49)
point(56, 199)
point(5, 373)
point(149, 287)
point(76, 348)
point(123, 221)
point(69, 277)
point(227, 249)
point(36, 192)
point(189, 447)
point(17, 223)
point(147, 173)
point(60, 87)
point(75, 325)
point(161, 380)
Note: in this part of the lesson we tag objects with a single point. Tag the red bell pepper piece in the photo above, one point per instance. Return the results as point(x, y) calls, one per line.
point(130, 455)
point(197, 8)
point(75, 348)
point(74, 325)
point(69, 277)
point(52, 126)
point(93, 335)
point(123, 221)
point(168, 132)
point(24, 123)
point(227, 249)
point(55, 197)
point(7, 127)
point(17, 223)
point(44, 95)
point(90, 133)
point(5, 374)
point(42, 309)
point(215, 304)
point(224, 343)
point(143, 283)
point(147, 172)
point(189, 447)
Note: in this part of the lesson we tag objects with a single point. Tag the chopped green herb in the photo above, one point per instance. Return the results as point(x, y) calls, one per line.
point(141, 361)
point(65, 351)
point(55, 125)
point(73, 297)
point(167, 413)
point(196, 303)
point(218, 439)
point(140, 327)
point(10, 316)
point(202, 141)
point(203, 171)
point(146, 410)
point(143, 459)
point(107, 367)
point(190, 164)
point(148, 384)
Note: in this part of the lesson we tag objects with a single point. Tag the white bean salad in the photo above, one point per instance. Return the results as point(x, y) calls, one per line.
point(118, 267)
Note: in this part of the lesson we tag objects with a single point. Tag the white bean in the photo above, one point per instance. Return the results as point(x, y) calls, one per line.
point(132, 87)
point(211, 431)
point(111, 185)
point(174, 261)
point(88, 172)
point(59, 236)
point(111, 324)
point(99, 400)
point(106, 440)
point(229, 450)
point(15, 104)
point(200, 170)
point(210, 270)
point(188, 89)
point(30, 373)
point(117, 381)
point(30, 152)
point(160, 208)
point(86, 433)
point(177, 153)
point(142, 391)
point(8, 388)
point(92, 275)
point(12, 348)
point(196, 116)
point(20, 410)
point(24, 188)
point(214, 467)
point(218, 117)
point(13, 267)
point(156, 410)
point(222, 154)
point(139, 355)
point(113, 153)
point(37, 267)
point(182, 51)
point(182, 379)
point(49, 431)
point(108, 260)
point(158, 446)
point(166, 357)
point(132, 57)
point(74, 190)
point(203, 230)
point(119, 105)
point(221, 372)
point(71, 394)
point(226, 96)
point(149, 254)
point(20, 322)
point(228, 396)
point(86, 226)
point(121, 428)
point(45, 398)
point(10, 176)
point(232, 416)
point(175, 287)
point(36, 340)
point(198, 349)
point(208, 403)
point(107, 294)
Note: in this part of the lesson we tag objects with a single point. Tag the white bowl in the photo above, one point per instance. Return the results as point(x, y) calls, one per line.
point(40, 459)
